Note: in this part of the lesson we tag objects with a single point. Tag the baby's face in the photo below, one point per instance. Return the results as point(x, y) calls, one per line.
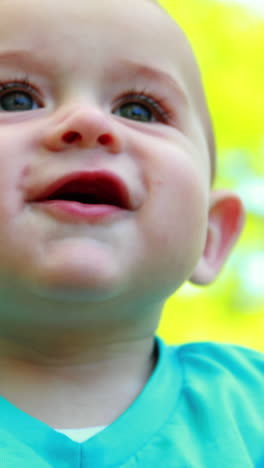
point(104, 164)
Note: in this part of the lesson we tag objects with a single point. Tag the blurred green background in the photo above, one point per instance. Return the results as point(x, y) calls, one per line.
point(228, 40)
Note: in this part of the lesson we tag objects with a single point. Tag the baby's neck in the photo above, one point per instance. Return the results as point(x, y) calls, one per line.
point(90, 393)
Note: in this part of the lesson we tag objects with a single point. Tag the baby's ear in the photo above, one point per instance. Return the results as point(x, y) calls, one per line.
point(226, 220)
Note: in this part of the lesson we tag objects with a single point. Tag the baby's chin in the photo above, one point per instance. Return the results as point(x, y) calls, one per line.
point(75, 270)
point(74, 285)
point(73, 294)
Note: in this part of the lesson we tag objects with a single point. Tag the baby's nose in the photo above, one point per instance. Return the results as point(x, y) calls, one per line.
point(84, 127)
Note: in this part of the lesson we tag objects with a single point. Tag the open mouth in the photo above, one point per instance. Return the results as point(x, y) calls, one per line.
point(94, 188)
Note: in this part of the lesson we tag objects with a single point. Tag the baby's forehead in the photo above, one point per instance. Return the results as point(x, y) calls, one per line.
point(161, 34)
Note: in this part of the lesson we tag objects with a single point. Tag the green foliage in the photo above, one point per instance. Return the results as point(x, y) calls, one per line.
point(229, 43)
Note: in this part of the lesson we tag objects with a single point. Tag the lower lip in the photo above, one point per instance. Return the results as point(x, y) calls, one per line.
point(74, 211)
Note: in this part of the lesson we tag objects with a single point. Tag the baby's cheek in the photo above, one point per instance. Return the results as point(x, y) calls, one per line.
point(178, 221)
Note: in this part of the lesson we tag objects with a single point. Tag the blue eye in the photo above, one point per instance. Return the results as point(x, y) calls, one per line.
point(142, 107)
point(16, 101)
point(18, 97)
point(135, 111)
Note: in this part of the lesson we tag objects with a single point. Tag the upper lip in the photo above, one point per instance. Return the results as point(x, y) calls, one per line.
point(92, 187)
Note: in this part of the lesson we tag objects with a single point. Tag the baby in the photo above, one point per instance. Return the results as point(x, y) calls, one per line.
point(106, 166)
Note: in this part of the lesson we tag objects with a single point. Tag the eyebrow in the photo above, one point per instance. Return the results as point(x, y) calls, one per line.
point(154, 74)
point(27, 59)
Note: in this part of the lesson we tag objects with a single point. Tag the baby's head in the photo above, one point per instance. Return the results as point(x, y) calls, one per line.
point(106, 153)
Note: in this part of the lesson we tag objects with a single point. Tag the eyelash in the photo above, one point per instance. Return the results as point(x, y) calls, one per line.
point(158, 105)
point(25, 85)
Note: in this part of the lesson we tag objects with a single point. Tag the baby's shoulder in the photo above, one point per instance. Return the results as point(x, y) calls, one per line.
point(228, 356)
point(228, 367)
point(218, 411)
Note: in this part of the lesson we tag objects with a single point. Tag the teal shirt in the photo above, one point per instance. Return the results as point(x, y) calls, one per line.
point(203, 407)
